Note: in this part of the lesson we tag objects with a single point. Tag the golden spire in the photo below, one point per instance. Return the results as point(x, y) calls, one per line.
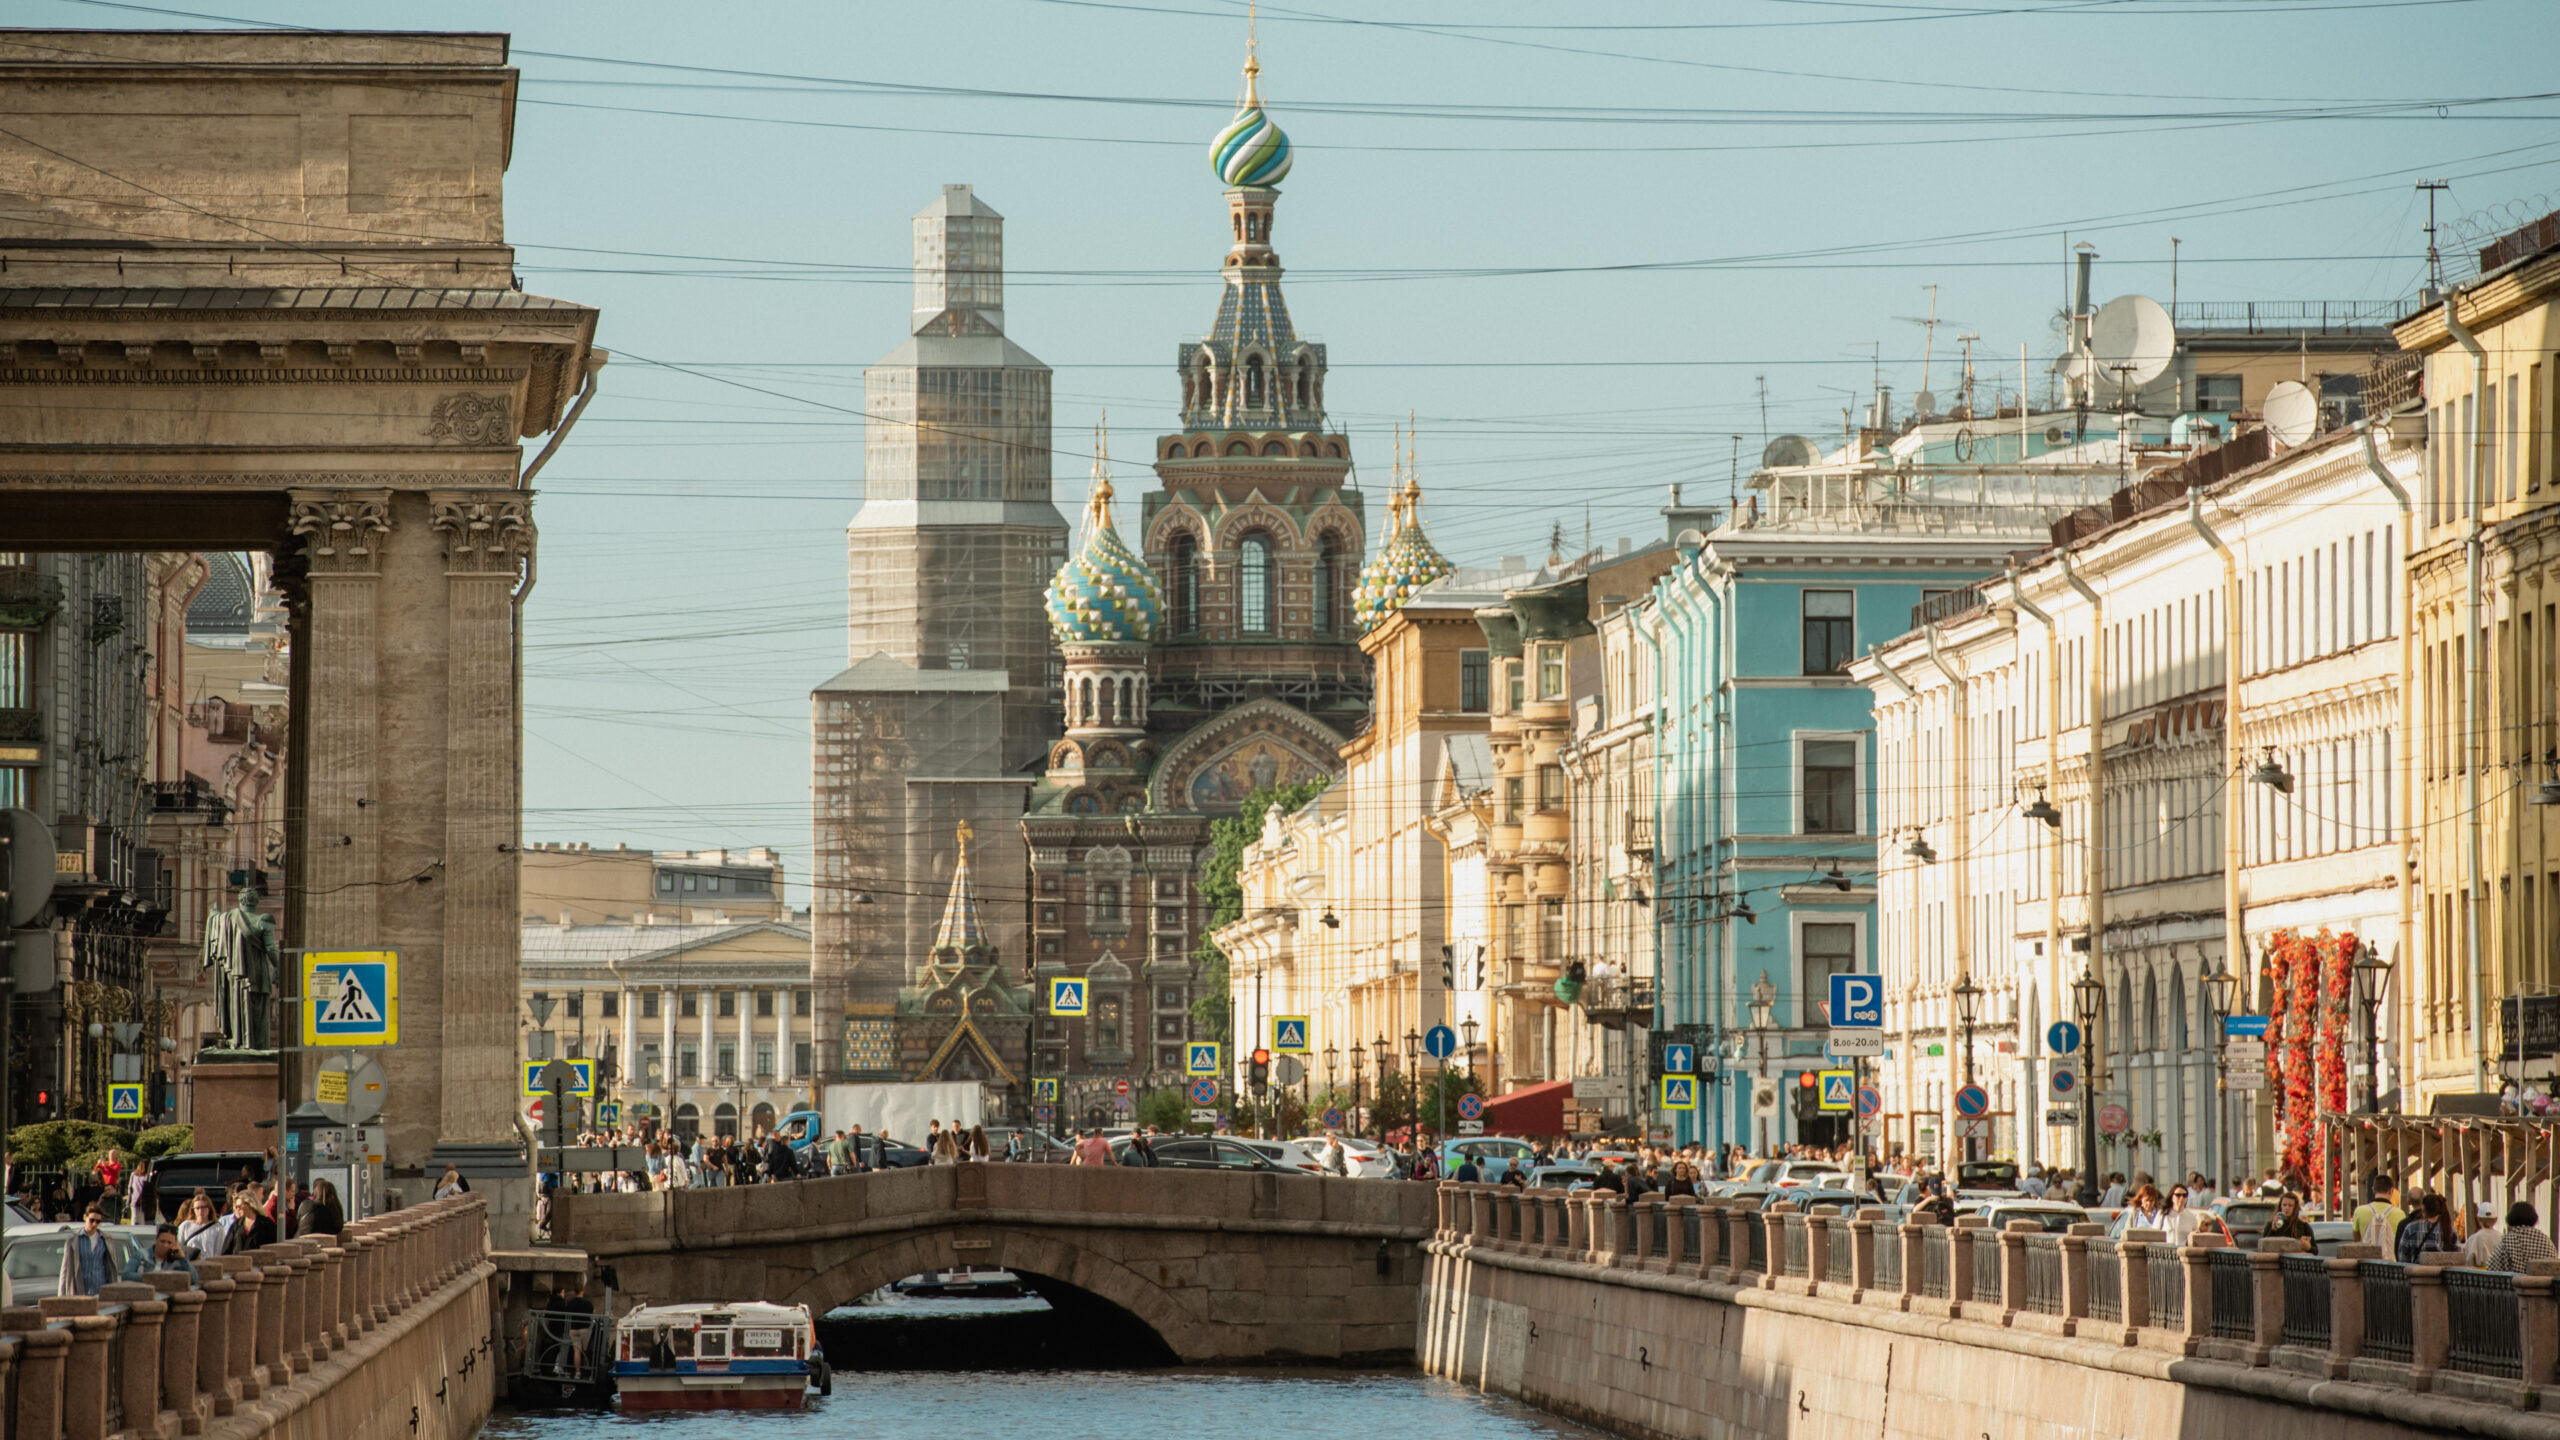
point(964, 834)
point(1412, 493)
point(1252, 65)
point(1097, 510)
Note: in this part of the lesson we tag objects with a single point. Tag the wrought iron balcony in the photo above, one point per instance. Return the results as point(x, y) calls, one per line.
point(1619, 1001)
point(28, 600)
point(21, 727)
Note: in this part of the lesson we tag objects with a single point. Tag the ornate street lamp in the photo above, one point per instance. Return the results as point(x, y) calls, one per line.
point(2373, 980)
point(2219, 982)
point(2089, 994)
point(1968, 998)
point(1764, 1006)
point(1385, 1055)
point(1413, 1093)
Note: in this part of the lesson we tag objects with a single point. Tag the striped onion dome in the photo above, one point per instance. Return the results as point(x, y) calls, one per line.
point(1405, 564)
point(1106, 594)
point(1251, 150)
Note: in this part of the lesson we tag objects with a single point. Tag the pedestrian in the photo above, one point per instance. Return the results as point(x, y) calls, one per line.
point(2481, 1245)
point(2289, 1224)
point(2113, 1199)
point(2428, 1231)
point(979, 1150)
point(201, 1225)
point(452, 1184)
point(2524, 1246)
point(1336, 1162)
point(945, 1149)
point(2148, 1211)
point(1939, 1208)
point(251, 1230)
point(110, 1171)
point(2184, 1218)
point(1092, 1149)
point(1139, 1151)
point(88, 1258)
point(2377, 1221)
point(168, 1252)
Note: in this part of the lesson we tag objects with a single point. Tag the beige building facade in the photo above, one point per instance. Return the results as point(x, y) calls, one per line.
point(581, 884)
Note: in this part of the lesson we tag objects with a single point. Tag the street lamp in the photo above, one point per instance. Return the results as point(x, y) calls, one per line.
point(1332, 1061)
point(2219, 982)
point(2373, 978)
point(1385, 1054)
point(1764, 1005)
point(2090, 995)
point(1968, 998)
point(1413, 1100)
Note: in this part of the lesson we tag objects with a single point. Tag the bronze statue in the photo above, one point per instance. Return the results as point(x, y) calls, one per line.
point(240, 948)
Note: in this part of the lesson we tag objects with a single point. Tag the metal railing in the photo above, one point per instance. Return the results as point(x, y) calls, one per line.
point(1660, 1244)
point(2165, 1282)
point(1798, 1239)
point(1889, 1258)
point(2306, 1300)
point(2106, 1281)
point(2485, 1324)
point(115, 1363)
point(1935, 1263)
point(1841, 1253)
point(2387, 1326)
point(1693, 1244)
point(1758, 1263)
point(1987, 1246)
point(2235, 1309)
point(2285, 317)
point(2044, 1274)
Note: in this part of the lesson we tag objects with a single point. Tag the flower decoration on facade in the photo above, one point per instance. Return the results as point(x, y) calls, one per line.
point(2309, 981)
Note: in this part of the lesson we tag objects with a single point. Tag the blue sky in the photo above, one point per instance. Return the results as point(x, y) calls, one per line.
point(1571, 240)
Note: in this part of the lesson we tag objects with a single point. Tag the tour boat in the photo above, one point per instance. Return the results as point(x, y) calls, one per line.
point(962, 1282)
point(747, 1356)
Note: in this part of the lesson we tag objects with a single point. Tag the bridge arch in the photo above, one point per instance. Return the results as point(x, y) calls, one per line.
point(847, 1270)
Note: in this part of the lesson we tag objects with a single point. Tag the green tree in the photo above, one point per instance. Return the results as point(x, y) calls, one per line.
point(1166, 1110)
point(1220, 886)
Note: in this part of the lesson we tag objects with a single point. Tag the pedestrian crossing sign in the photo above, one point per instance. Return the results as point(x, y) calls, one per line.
point(351, 997)
point(1203, 1058)
point(1679, 1092)
point(1045, 1090)
point(124, 1102)
point(1289, 1034)
point(1839, 1089)
point(1066, 997)
point(582, 1077)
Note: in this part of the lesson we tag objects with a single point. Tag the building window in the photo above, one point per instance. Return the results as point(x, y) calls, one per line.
point(1475, 681)
point(648, 1004)
point(612, 1004)
point(1515, 932)
point(1048, 947)
point(800, 1003)
point(1168, 888)
point(728, 1059)
point(1512, 687)
point(652, 1064)
point(764, 1004)
point(577, 1047)
point(802, 1054)
point(1550, 672)
point(1106, 903)
point(1049, 886)
point(1511, 799)
point(1830, 787)
point(1830, 631)
point(1826, 950)
point(2218, 393)
point(1107, 1024)
point(1185, 567)
point(724, 1121)
point(1550, 787)
point(1169, 1027)
point(688, 1121)
point(689, 1004)
point(1168, 997)
point(688, 1061)
point(690, 881)
point(728, 1004)
point(1551, 930)
point(1253, 586)
point(1328, 562)
point(666, 884)
point(577, 1005)
point(764, 1059)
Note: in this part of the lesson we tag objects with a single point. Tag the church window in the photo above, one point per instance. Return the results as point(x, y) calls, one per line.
point(1275, 447)
point(1254, 587)
point(1303, 389)
point(1049, 886)
point(1328, 564)
point(1169, 889)
point(1203, 448)
point(1086, 804)
point(1106, 902)
point(1186, 585)
point(1239, 447)
point(1169, 997)
point(1333, 448)
point(1107, 1023)
point(1253, 380)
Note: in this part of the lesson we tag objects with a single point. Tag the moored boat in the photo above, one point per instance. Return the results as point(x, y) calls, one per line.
point(747, 1356)
point(962, 1282)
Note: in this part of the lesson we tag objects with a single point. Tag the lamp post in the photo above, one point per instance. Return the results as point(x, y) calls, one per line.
point(2373, 979)
point(2090, 994)
point(1413, 1105)
point(1385, 1054)
point(1332, 1062)
point(1968, 998)
point(1764, 1004)
point(1359, 1056)
point(2218, 985)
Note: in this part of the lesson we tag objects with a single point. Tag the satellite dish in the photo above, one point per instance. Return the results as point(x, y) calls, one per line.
point(1924, 403)
point(1789, 450)
point(2292, 413)
point(2132, 341)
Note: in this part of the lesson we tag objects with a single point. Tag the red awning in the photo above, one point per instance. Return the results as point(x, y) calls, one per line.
point(1530, 1110)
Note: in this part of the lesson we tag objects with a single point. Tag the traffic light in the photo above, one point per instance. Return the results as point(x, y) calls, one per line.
point(1258, 1071)
point(1448, 968)
point(1480, 975)
point(44, 1105)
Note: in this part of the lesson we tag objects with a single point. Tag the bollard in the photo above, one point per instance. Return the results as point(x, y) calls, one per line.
point(275, 1303)
point(2266, 1296)
point(1817, 1247)
point(2540, 1336)
point(84, 1373)
point(142, 1344)
point(1609, 1228)
point(1577, 1212)
point(1480, 1213)
point(2134, 1258)
point(2195, 1267)
point(181, 1335)
point(2430, 1329)
point(2075, 1276)
point(1913, 1238)
point(287, 1358)
point(2346, 1305)
point(1773, 1231)
point(42, 1353)
point(1961, 1239)
point(2013, 1268)
point(250, 1297)
point(213, 1338)
point(1675, 1233)
point(1862, 1252)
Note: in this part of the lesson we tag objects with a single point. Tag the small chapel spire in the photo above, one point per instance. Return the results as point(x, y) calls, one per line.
point(1097, 509)
point(961, 930)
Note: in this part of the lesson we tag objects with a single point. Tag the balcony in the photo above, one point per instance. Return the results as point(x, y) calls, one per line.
point(21, 727)
point(1640, 836)
point(28, 600)
point(191, 796)
point(1946, 605)
point(1619, 1001)
point(2285, 317)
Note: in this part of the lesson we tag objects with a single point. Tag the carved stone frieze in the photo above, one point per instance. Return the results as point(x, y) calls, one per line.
point(214, 373)
point(472, 419)
point(342, 530)
point(491, 534)
point(296, 480)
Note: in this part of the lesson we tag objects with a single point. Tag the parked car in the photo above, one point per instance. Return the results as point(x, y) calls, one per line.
point(1361, 1159)
point(34, 1256)
point(1209, 1152)
point(2054, 1217)
point(1987, 1175)
point(1495, 1155)
point(1039, 1146)
point(1563, 1177)
point(1789, 1174)
point(2328, 1235)
point(2246, 1217)
point(1806, 1197)
point(176, 1178)
point(1286, 1154)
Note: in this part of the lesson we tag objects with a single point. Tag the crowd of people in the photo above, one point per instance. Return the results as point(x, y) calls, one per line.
point(250, 1214)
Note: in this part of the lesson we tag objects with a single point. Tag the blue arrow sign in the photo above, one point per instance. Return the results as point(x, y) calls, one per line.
point(1857, 1002)
point(2062, 1037)
point(1441, 1043)
point(1679, 1059)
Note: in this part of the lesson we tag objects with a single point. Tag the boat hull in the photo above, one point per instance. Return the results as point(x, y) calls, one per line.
point(712, 1392)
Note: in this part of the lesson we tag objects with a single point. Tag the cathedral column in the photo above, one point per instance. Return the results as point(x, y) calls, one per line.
point(488, 541)
point(667, 1047)
point(342, 532)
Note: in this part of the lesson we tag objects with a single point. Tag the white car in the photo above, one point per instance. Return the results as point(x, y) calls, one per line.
point(1789, 1174)
point(34, 1259)
point(1287, 1154)
point(1361, 1159)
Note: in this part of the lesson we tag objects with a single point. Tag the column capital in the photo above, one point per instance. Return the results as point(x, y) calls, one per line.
point(485, 532)
point(341, 530)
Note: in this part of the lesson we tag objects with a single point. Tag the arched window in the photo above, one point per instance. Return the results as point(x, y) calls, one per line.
point(688, 1121)
point(761, 1117)
point(2177, 1009)
point(1185, 565)
point(1254, 587)
point(1304, 382)
point(1253, 382)
point(1128, 702)
point(724, 1120)
point(1106, 902)
point(1328, 557)
point(2151, 1012)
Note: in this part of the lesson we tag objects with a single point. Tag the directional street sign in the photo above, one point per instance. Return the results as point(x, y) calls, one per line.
point(1972, 1102)
point(580, 1074)
point(1045, 1089)
point(1204, 1092)
point(1204, 1058)
point(2251, 1025)
point(1204, 1117)
point(1857, 1002)
point(2237, 1051)
point(124, 1102)
point(1680, 1092)
point(1870, 1102)
point(2062, 1037)
point(351, 997)
point(1289, 1034)
point(1441, 1043)
point(1679, 1059)
point(1839, 1089)
point(1470, 1107)
point(2062, 1115)
point(1066, 997)
point(1470, 1127)
point(2247, 1082)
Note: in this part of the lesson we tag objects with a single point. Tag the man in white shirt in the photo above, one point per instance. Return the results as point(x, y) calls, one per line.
point(2484, 1239)
point(2032, 1183)
point(2113, 1199)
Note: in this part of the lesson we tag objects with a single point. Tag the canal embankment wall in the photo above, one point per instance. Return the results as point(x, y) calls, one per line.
point(383, 1332)
point(1684, 1320)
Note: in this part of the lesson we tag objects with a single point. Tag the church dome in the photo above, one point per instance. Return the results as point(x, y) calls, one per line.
point(1251, 150)
point(1405, 564)
point(1106, 594)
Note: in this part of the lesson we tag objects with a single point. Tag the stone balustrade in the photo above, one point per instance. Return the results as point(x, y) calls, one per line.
point(2430, 1327)
point(160, 1356)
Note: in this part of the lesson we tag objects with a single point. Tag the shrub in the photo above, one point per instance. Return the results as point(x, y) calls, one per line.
point(56, 1143)
point(162, 1140)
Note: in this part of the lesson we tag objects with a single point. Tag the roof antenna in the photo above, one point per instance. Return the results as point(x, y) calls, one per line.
point(2435, 258)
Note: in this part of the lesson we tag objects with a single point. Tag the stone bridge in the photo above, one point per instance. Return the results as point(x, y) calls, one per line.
point(1222, 1267)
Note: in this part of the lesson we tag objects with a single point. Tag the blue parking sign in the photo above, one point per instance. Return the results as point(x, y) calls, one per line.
point(1857, 1002)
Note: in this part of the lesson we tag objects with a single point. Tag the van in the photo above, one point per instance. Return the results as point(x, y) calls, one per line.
point(176, 1178)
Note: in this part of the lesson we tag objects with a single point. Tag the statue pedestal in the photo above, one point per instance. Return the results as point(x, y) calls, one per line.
point(228, 1092)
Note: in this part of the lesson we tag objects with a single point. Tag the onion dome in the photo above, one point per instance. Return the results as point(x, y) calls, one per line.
point(1251, 150)
point(1106, 595)
point(1405, 564)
